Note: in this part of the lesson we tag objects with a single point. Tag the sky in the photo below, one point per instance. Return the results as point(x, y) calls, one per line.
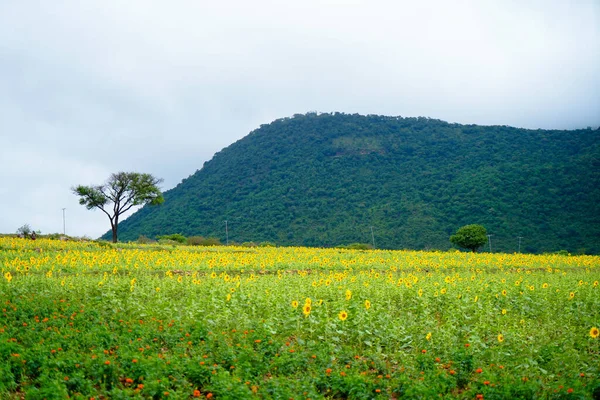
point(89, 88)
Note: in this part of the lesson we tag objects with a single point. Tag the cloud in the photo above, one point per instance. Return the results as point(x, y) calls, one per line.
point(90, 88)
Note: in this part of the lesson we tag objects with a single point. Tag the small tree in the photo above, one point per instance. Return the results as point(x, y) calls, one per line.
point(470, 237)
point(123, 190)
point(24, 231)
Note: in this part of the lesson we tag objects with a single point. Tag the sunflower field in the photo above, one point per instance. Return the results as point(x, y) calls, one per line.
point(90, 320)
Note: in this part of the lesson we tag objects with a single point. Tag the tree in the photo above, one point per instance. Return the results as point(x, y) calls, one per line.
point(123, 190)
point(470, 237)
point(24, 231)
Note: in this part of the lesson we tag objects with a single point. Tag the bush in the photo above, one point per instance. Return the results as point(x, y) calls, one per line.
point(175, 237)
point(357, 246)
point(202, 241)
point(143, 239)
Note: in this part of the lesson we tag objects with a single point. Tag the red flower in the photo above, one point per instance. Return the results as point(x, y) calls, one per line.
point(196, 393)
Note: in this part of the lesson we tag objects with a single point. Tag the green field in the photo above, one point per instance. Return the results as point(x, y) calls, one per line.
point(88, 320)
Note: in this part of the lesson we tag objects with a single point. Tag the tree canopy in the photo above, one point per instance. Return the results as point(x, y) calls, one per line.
point(121, 192)
point(470, 237)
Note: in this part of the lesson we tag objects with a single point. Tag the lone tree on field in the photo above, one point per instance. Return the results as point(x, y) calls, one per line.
point(123, 190)
point(470, 237)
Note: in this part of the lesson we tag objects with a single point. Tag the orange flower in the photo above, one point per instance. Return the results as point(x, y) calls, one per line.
point(107, 362)
point(196, 393)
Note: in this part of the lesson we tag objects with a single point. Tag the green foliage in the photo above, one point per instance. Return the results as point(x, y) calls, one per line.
point(470, 237)
point(142, 239)
point(123, 190)
point(175, 237)
point(322, 180)
point(357, 246)
point(202, 241)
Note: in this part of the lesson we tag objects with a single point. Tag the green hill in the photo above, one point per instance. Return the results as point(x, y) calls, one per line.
point(326, 179)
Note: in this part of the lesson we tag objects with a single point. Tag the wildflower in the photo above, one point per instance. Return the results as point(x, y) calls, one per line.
point(196, 393)
point(428, 337)
point(158, 289)
point(500, 337)
point(504, 311)
point(594, 332)
point(367, 304)
point(306, 309)
point(343, 315)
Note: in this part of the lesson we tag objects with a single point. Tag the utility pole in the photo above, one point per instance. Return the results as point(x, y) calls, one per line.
point(226, 234)
point(490, 242)
point(64, 224)
point(373, 237)
point(520, 237)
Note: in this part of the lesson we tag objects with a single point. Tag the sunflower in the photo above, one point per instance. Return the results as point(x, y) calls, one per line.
point(420, 292)
point(504, 311)
point(594, 332)
point(343, 315)
point(428, 337)
point(306, 309)
point(504, 292)
point(367, 304)
point(545, 286)
point(500, 337)
point(308, 301)
point(571, 295)
point(295, 304)
point(348, 294)
point(595, 283)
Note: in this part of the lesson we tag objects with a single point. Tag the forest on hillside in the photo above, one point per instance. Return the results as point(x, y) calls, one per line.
point(332, 179)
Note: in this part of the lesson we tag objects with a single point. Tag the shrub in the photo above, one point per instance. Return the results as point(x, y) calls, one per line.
point(175, 237)
point(357, 246)
point(202, 241)
point(143, 239)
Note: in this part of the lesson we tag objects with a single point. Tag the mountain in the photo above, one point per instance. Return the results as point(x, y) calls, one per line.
point(331, 179)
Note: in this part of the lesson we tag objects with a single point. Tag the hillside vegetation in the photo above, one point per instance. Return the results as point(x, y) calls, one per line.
point(326, 179)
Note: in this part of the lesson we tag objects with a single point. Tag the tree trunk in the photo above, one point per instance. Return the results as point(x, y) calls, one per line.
point(114, 226)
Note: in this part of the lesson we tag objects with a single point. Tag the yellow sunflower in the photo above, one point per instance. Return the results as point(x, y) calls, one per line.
point(500, 337)
point(343, 315)
point(367, 304)
point(306, 309)
point(594, 332)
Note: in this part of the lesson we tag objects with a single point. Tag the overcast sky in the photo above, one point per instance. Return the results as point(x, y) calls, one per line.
point(92, 87)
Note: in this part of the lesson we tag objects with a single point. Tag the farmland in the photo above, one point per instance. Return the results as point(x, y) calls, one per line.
point(92, 320)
